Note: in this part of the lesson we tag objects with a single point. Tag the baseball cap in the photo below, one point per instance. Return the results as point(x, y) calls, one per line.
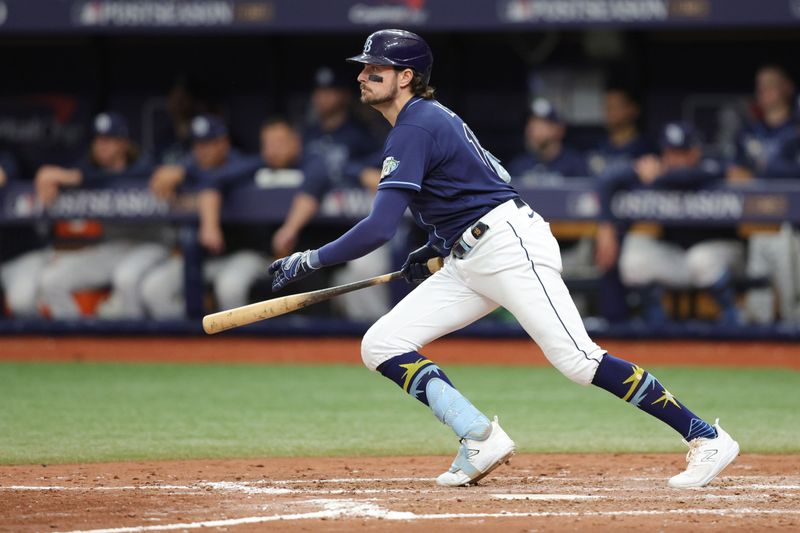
point(207, 128)
point(110, 124)
point(544, 109)
point(679, 135)
point(333, 78)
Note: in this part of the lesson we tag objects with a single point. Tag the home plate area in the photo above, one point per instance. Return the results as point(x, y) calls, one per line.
point(535, 492)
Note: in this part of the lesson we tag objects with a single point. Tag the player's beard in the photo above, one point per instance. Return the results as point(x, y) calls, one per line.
point(370, 98)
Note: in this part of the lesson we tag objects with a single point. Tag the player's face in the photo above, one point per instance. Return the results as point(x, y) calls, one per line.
point(677, 158)
point(772, 89)
point(211, 153)
point(619, 110)
point(541, 133)
point(280, 146)
point(109, 152)
point(378, 92)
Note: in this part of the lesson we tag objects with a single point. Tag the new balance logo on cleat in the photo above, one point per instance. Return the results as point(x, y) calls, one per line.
point(709, 456)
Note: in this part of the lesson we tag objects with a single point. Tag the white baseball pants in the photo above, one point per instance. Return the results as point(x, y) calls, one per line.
point(516, 265)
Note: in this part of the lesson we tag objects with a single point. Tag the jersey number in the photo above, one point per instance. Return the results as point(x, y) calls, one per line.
point(488, 159)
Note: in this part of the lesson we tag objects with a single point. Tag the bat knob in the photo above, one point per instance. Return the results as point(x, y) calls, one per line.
point(435, 263)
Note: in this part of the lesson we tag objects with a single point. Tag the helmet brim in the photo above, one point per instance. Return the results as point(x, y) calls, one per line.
point(368, 59)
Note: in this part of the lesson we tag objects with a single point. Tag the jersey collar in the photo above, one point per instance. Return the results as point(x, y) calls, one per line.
point(411, 102)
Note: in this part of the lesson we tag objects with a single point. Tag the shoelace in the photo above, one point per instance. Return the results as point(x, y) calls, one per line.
point(694, 448)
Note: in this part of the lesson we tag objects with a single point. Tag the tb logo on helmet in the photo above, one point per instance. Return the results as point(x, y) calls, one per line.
point(368, 45)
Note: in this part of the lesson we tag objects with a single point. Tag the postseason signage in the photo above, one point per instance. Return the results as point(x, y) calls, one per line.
point(120, 16)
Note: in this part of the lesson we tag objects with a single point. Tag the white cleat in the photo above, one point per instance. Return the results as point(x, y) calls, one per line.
point(706, 458)
point(476, 458)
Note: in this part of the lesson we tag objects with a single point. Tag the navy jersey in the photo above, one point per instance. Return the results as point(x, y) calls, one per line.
point(529, 168)
point(787, 163)
point(94, 176)
point(236, 167)
point(609, 158)
point(345, 151)
point(758, 145)
point(433, 152)
point(9, 166)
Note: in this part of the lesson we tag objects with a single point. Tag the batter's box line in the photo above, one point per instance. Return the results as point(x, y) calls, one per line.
point(363, 510)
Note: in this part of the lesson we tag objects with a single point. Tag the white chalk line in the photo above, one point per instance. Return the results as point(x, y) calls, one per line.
point(367, 509)
point(544, 497)
point(263, 487)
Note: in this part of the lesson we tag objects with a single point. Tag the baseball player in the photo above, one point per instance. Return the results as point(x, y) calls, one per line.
point(680, 256)
point(546, 158)
point(497, 251)
point(760, 143)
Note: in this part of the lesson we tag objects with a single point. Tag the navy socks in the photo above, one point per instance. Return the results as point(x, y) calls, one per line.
point(426, 382)
point(640, 388)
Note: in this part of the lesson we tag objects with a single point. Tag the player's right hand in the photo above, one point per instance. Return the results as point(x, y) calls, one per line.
point(415, 269)
point(290, 269)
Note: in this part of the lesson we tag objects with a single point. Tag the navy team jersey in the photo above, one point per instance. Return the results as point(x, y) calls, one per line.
point(345, 151)
point(433, 152)
point(609, 158)
point(94, 176)
point(759, 145)
point(568, 163)
point(9, 165)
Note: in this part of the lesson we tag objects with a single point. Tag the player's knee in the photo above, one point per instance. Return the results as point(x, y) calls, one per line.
point(576, 365)
point(635, 268)
point(377, 347)
point(53, 281)
point(704, 267)
point(125, 279)
point(21, 301)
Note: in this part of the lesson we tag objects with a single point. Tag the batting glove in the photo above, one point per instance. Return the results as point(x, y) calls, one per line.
point(290, 269)
point(415, 269)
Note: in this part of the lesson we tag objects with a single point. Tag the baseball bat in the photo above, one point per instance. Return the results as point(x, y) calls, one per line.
point(247, 314)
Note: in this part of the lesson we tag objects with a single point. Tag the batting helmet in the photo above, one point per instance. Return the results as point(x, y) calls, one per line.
point(398, 48)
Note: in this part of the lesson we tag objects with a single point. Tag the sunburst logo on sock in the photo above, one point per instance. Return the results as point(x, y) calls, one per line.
point(411, 371)
point(666, 397)
point(634, 379)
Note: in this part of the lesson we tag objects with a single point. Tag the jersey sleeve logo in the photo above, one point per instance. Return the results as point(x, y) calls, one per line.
point(390, 164)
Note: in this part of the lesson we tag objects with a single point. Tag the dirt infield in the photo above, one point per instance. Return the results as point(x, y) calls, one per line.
point(229, 349)
point(536, 492)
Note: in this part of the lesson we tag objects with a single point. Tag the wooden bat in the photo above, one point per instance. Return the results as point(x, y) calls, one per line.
point(247, 314)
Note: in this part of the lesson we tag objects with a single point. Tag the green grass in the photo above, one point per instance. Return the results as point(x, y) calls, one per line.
point(54, 413)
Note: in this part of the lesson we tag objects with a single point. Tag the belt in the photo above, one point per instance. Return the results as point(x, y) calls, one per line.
point(476, 231)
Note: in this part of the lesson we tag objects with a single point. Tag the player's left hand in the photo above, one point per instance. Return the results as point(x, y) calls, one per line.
point(415, 269)
point(290, 269)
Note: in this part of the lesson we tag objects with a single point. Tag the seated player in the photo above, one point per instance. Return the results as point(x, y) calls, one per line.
point(684, 256)
point(546, 158)
point(213, 161)
point(762, 142)
point(624, 142)
point(101, 250)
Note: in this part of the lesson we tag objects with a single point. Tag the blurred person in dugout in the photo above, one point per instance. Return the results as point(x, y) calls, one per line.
point(89, 254)
point(652, 259)
point(547, 159)
point(761, 144)
point(351, 155)
point(768, 147)
point(624, 143)
point(776, 258)
point(213, 161)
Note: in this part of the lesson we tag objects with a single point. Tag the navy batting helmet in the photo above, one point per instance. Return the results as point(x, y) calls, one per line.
point(398, 48)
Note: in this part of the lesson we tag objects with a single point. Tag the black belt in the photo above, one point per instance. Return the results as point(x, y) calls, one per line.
point(478, 230)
